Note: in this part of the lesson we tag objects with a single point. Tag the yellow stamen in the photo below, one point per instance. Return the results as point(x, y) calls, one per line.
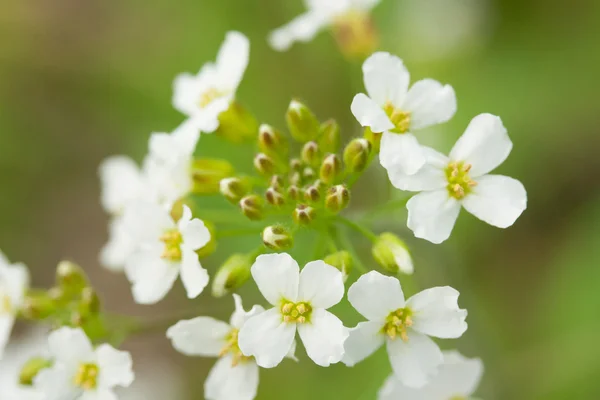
point(295, 312)
point(397, 323)
point(86, 376)
point(459, 180)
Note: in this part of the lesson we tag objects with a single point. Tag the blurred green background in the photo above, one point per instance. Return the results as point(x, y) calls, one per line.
point(81, 80)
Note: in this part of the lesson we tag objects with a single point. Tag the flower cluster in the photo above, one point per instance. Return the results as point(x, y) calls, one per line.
point(302, 184)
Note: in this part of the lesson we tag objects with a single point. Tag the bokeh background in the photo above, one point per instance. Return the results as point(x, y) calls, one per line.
point(81, 80)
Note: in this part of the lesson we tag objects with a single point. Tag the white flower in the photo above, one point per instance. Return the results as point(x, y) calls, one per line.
point(234, 376)
point(203, 97)
point(319, 15)
point(81, 372)
point(122, 182)
point(300, 301)
point(458, 378)
point(462, 180)
point(164, 250)
point(404, 326)
point(398, 112)
point(18, 353)
point(14, 282)
point(120, 245)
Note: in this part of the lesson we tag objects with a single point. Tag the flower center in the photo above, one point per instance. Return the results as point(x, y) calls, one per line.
point(87, 376)
point(172, 240)
point(355, 33)
point(397, 323)
point(296, 312)
point(209, 96)
point(5, 304)
point(233, 348)
point(459, 181)
point(400, 119)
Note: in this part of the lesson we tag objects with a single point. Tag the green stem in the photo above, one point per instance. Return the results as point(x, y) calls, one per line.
point(347, 244)
point(358, 227)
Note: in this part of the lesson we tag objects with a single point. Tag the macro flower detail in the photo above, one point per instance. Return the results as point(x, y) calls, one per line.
point(203, 97)
point(457, 379)
point(300, 300)
point(14, 281)
point(397, 111)
point(165, 249)
point(403, 325)
point(122, 182)
point(80, 371)
point(463, 180)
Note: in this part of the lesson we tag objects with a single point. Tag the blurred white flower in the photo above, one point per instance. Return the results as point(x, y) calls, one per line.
point(81, 372)
point(14, 282)
point(203, 97)
point(458, 378)
point(300, 301)
point(122, 182)
point(165, 249)
point(21, 350)
point(404, 326)
point(462, 179)
point(319, 15)
point(119, 247)
point(398, 112)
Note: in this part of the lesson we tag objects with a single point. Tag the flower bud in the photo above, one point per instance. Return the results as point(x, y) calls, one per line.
point(233, 189)
point(308, 174)
point(207, 174)
point(31, 369)
point(356, 35)
point(293, 192)
point(211, 246)
point(373, 138)
point(237, 124)
point(70, 277)
point(304, 214)
point(251, 207)
point(89, 304)
point(234, 272)
point(330, 169)
point(337, 198)
point(311, 154)
point(312, 194)
point(271, 141)
point(329, 136)
point(296, 179)
point(39, 305)
point(302, 123)
point(356, 155)
point(264, 164)
point(274, 197)
point(341, 260)
point(276, 182)
point(277, 237)
point(392, 254)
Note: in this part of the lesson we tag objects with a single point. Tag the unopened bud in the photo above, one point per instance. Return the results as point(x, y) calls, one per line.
point(233, 189)
point(311, 154)
point(276, 182)
point(337, 198)
point(330, 169)
point(296, 164)
point(373, 138)
point(70, 277)
point(308, 174)
point(392, 254)
point(31, 369)
point(312, 194)
point(264, 164)
point(237, 124)
point(302, 123)
point(39, 305)
point(329, 136)
point(207, 174)
point(296, 179)
point(277, 237)
point(271, 141)
point(356, 155)
point(89, 303)
point(293, 192)
point(341, 260)
point(274, 197)
point(211, 246)
point(234, 272)
point(251, 207)
point(304, 214)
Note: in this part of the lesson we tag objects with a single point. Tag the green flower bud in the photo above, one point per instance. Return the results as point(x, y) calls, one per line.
point(207, 174)
point(211, 246)
point(329, 136)
point(330, 169)
point(293, 192)
point(356, 35)
point(356, 155)
point(296, 164)
point(308, 174)
point(264, 164)
point(341, 260)
point(233, 189)
point(274, 197)
point(312, 194)
point(70, 278)
point(311, 154)
point(302, 123)
point(392, 254)
point(373, 138)
point(271, 141)
point(237, 124)
point(296, 179)
point(31, 369)
point(337, 198)
point(276, 182)
point(234, 272)
point(89, 304)
point(251, 207)
point(277, 237)
point(39, 304)
point(304, 215)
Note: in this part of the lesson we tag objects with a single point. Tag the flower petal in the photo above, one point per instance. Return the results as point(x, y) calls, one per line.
point(55, 383)
point(119, 247)
point(194, 277)
point(201, 336)
point(151, 275)
point(368, 113)
point(436, 313)
point(362, 341)
point(375, 295)
point(99, 394)
point(240, 316)
point(115, 367)
point(277, 277)
point(323, 337)
point(430, 177)
point(301, 29)
point(430, 103)
point(267, 338)
point(232, 59)
point(458, 375)
point(386, 78)
point(7, 321)
point(432, 215)
point(401, 151)
point(498, 200)
point(416, 361)
point(485, 144)
point(147, 221)
point(121, 182)
point(195, 234)
point(321, 284)
point(228, 382)
point(70, 346)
